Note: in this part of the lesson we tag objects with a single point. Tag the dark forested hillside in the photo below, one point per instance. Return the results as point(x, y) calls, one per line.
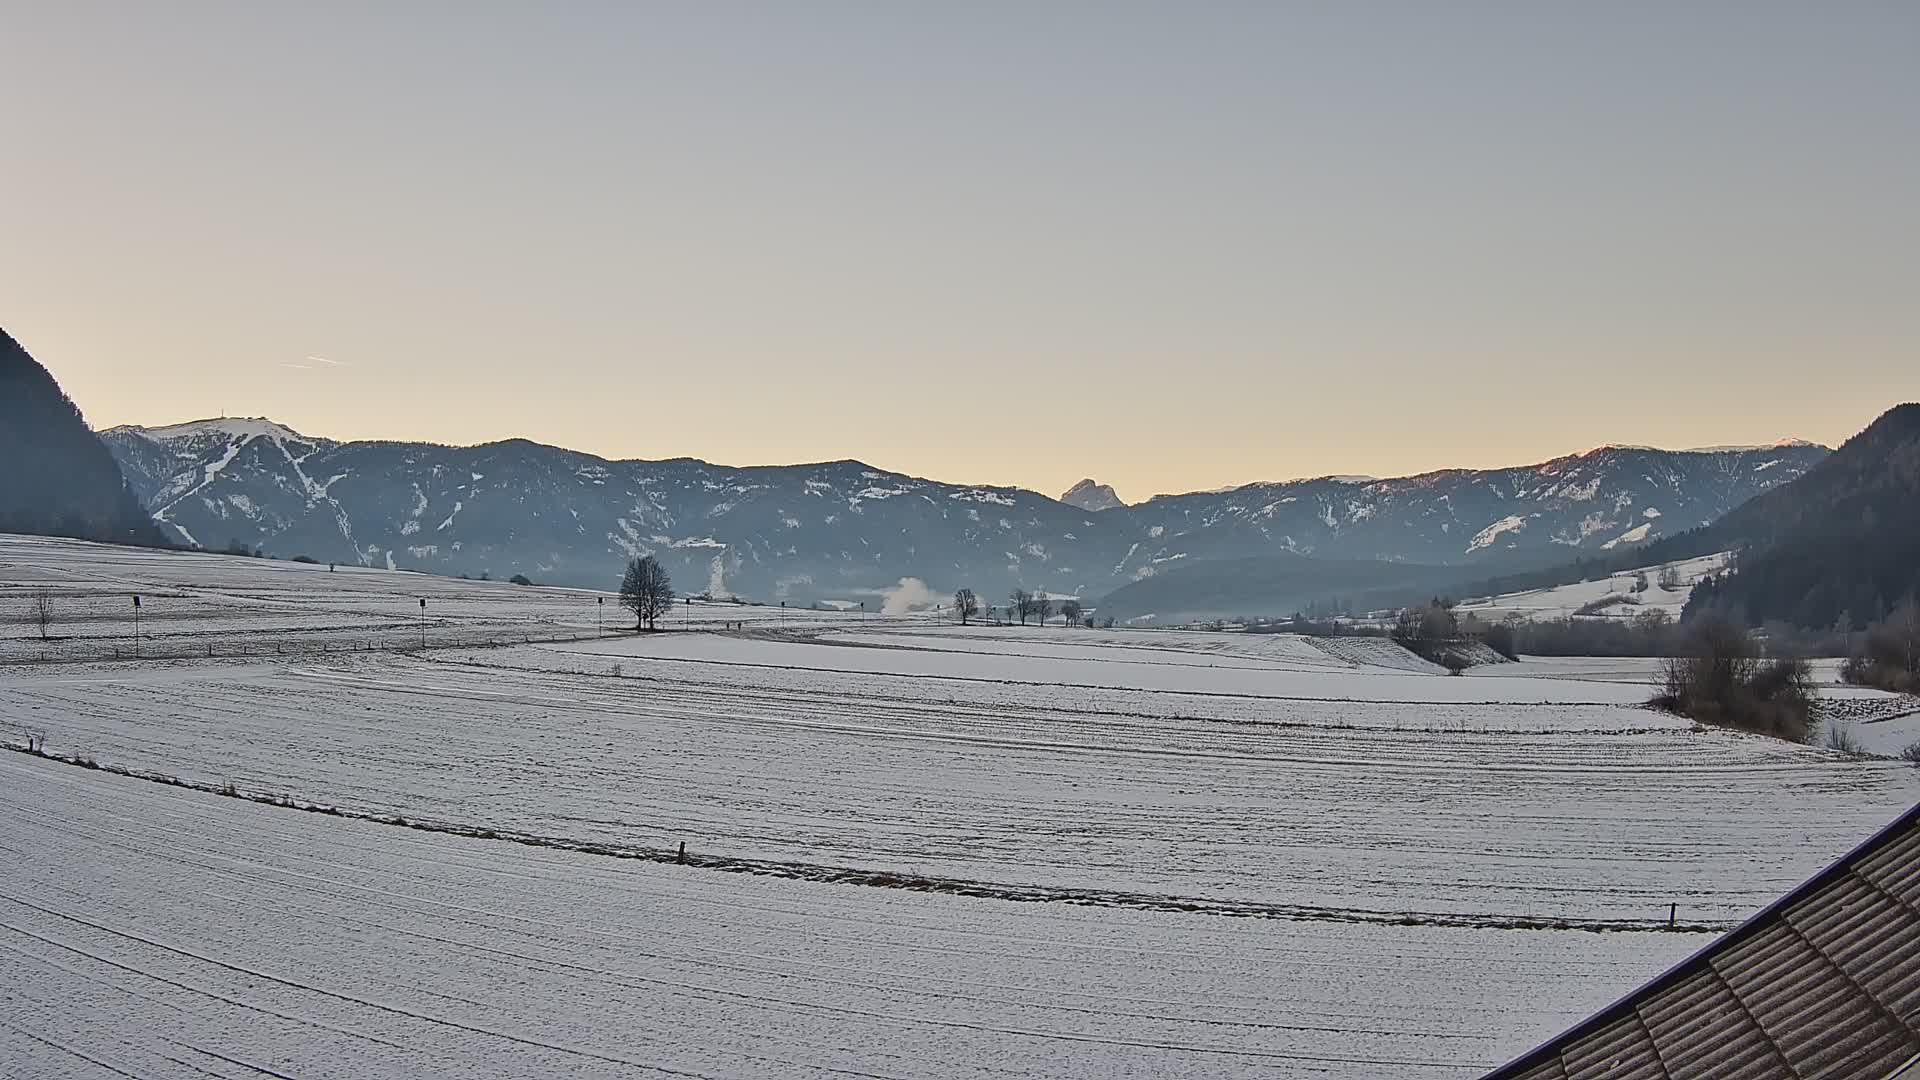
point(1840, 545)
point(56, 477)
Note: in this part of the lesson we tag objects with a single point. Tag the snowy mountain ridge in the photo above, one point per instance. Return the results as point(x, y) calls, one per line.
point(840, 529)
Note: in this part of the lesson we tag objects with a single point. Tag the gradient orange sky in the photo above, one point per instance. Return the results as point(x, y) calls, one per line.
point(1168, 246)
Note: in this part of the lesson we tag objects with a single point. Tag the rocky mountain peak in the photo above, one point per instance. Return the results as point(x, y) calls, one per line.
point(1091, 496)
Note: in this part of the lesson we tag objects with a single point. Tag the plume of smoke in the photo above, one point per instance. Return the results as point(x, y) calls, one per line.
point(911, 594)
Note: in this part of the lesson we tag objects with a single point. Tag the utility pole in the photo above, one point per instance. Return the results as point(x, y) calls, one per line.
point(600, 616)
point(136, 624)
point(423, 622)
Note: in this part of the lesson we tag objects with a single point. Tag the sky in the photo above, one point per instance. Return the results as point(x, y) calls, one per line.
point(1170, 246)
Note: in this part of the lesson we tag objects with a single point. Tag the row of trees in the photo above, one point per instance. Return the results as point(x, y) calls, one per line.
point(1022, 605)
point(647, 591)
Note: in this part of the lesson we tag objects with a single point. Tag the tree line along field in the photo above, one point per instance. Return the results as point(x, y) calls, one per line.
point(1113, 853)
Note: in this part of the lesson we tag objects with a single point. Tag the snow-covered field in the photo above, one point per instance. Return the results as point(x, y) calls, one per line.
point(1320, 676)
point(1645, 672)
point(1564, 601)
point(151, 932)
point(1393, 839)
point(197, 604)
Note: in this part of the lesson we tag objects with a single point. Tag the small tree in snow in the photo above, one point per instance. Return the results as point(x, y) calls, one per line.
point(1020, 604)
point(646, 591)
point(1042, 607)
point(967, 604)
point(43, 611)
point(1071, 611)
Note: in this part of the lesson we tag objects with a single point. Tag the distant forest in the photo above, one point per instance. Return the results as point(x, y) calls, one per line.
point(1845, 545)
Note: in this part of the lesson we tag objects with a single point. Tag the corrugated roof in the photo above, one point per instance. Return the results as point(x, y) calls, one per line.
point(1823, 983)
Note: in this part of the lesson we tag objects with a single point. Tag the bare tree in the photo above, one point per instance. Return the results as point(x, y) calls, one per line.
point(1042, 607)
point(43, 610)
point(1020, 603)
point(1427, 630)
point(646, 591)
point(967, 604)
point(1716, 656)
point(1071, 611)
point(1718, 678)
point(1889, 655)
point(1669, 578)
point(1899, 637)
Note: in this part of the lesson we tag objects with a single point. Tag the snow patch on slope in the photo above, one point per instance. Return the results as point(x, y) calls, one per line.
point(1485, 537)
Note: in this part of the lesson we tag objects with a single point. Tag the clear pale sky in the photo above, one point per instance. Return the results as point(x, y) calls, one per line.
point(1170, 246)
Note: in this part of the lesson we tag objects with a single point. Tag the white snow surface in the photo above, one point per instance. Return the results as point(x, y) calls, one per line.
point(1390, 835)
point(976, 657)
point(179, 933)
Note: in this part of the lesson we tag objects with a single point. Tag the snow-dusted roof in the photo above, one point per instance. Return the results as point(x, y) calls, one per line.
point(1824, 982)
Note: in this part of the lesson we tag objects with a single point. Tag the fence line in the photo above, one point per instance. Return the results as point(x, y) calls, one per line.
point(78, 650)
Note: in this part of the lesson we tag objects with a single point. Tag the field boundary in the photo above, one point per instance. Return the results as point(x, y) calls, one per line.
point(236, 646)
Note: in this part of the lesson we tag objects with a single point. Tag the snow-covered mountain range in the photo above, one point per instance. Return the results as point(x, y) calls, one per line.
point(843, 529)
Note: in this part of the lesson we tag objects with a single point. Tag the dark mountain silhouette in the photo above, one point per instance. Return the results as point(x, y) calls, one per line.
point(56, 477)
point(1840, 545)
